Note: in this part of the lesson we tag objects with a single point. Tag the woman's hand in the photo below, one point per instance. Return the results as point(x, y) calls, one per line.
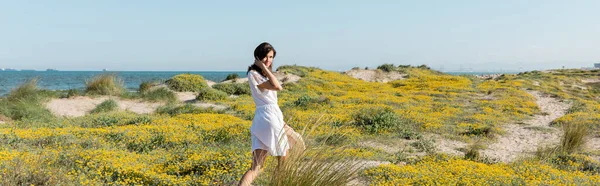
point(260, 64)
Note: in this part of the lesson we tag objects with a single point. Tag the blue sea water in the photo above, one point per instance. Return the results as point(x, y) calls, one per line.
point(64, 80)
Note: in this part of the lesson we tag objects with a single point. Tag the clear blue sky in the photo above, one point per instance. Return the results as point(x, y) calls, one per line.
point(333, 35)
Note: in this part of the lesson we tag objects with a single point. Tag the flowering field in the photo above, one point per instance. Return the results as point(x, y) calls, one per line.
point(124, 148)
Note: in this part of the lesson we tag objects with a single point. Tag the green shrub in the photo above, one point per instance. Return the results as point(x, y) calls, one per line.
point(104, 84)
point(424, 67)
point(210, 94)
point(305, 101)
point(578, 106)
point(488, 131)
point(576, 162)
point(72, 93)
point(387, 67)
point(296, 70)
point(232, 76)
point(187, 83)
point(159, 94)
point(409, 133)
point(146, 86)
point(375, 120)
point(105, 106)
point(21, 171)
point(233, 88)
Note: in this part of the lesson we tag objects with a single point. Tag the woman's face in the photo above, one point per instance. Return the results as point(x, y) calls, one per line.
point(269, 59)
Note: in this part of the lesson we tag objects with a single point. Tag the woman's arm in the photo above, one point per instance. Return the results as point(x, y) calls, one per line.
point(272, 84)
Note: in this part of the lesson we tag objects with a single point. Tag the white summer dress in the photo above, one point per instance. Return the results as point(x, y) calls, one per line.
point(267, 126)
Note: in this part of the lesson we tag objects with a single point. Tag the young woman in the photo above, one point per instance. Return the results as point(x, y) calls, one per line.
point(268, 128)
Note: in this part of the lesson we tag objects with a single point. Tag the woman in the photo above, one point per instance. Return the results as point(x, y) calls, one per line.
point(269, 131)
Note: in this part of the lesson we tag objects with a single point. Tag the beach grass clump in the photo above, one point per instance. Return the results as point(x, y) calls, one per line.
point(314, 167)
point(574, 137)
point(187, 83)
point(26, 102)
point(105, 84)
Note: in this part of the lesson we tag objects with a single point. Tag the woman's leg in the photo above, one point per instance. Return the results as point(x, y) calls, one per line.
point(294, 139)
point(258, 160)
point(280, 160)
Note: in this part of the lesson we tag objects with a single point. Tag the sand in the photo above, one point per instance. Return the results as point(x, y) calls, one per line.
point(448, 146)
point(4, 119)
point(595, 80)
point(522, 140)
point(82, 105)
point(186, 97)
point(238, 80)
point(210, 83)
point(375, 75)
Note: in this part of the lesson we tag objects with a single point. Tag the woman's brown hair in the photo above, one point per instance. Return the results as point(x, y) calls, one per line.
point(260, 53)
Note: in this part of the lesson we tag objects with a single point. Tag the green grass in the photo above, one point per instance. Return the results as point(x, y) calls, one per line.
point(106, 106)
point(104, 84)
point(160, 94)
point(173, 110)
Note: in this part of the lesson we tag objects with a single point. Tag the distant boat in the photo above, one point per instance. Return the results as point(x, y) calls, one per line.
point(51, 70)
point(9, 69)
point(104, 70)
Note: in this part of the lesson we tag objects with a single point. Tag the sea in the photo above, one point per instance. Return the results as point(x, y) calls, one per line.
point(65, 80)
